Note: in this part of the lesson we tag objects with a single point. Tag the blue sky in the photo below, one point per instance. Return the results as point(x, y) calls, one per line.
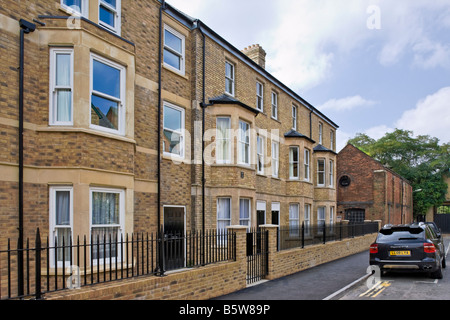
point(369, 65)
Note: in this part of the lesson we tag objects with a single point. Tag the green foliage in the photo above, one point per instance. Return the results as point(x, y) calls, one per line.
point(421, 160)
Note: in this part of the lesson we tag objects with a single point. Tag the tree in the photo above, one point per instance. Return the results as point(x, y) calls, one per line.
point(421, 160)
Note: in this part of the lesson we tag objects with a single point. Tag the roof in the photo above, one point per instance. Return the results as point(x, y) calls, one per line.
point(226, 99)
point(196, 23)
point(294, 134)
point(321, 148)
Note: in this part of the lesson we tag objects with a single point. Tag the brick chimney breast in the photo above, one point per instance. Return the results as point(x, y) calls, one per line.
point(257, 54)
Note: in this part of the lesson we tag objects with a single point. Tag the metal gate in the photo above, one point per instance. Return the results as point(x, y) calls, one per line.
point(257, 255)
point(443, 222)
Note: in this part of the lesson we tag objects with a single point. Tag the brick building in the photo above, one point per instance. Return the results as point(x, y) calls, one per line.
point(117, 96)
point(369, 191)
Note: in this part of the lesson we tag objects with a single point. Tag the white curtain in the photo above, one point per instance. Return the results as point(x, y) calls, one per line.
point(244, 212)
point(63, 88)
point(62, 225)
point(223, 213)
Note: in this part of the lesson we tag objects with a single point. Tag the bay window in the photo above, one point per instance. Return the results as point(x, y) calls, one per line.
point(244, 212)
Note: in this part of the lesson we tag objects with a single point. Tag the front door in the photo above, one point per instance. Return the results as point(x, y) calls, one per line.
point(174, 237)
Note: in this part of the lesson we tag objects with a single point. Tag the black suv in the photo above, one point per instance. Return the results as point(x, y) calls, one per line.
point(413, 247)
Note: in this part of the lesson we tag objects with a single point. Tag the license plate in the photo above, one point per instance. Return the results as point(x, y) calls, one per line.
point(400, 253)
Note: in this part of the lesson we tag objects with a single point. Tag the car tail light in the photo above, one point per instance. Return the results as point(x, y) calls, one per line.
point(429, 248)
point(374, 248)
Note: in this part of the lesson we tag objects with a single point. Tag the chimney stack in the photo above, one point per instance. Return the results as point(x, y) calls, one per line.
point(257, 54)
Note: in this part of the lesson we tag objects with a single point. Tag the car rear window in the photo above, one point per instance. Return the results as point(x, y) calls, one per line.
point(403, 234)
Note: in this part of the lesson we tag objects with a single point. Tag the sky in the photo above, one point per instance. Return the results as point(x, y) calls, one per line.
point(371, 66)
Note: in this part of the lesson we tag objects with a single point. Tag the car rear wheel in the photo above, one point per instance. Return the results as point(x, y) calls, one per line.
point(438, 273)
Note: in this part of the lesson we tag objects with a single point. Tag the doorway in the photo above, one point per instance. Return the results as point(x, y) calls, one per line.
point(174, 231)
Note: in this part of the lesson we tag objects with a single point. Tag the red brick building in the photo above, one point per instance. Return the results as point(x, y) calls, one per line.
point(367, 190)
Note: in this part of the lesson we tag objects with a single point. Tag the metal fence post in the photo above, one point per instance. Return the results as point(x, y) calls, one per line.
point(324, 233)
point(38, 287)
point(303, 234)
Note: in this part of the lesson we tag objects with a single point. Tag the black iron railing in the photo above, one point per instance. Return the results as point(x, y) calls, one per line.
point(66, 264)
point(300, 236)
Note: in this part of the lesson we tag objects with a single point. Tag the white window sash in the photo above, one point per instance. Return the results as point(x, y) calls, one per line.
point(275, 159)
point(294, 174)
point(229, 78)
point(244, 143)
point(321, 173)
point(180, 132)
point(243, 219)
point(259, 96)
point(84, 10)
point(117, 15)
point(180, 55)
point(121, 101)
point(294, 117)
point(107, 256)
point(55, 88)
point(331, 173)
point(274, 105)
point(223, 142)
point(260, 154)
point(306, 162)
point(55, 228)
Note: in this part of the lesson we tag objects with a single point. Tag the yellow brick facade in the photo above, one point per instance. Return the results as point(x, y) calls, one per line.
point(83, 158)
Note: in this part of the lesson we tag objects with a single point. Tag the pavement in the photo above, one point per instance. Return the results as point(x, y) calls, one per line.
point(326, 281)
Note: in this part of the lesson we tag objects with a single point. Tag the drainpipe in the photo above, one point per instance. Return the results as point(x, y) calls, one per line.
point(25, 28)
point(160, 235)
point(203, 105)
point(310, 124)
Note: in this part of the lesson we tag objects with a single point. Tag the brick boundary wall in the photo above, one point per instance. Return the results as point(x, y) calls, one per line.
point(219, 279)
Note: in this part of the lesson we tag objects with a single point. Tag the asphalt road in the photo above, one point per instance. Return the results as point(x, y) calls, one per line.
point(346, 279)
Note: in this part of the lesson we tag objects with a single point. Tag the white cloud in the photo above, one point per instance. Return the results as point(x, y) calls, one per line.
point(430, 117)
point(378, 132)
point(346, 104)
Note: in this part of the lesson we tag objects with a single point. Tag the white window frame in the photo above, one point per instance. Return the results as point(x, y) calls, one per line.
point(117, 15)
point(180, 132)
point(331, 174)
point(294, 117)
point(307, 218)
point(247, 221)
point(230, 78)
point(120, 225)
point(320, 133)
point(319, 172)
point(226, 139)
point(121, 113)
point(259, 96)
point(181, 55)
point(331, 218)
point(294, 175)
point(274, 105)
point(321, 217)
point(275, 159)
point(260, 143)
point(244, 145)
point(52, 223)
point(306, 164)
point(83, 11)
point(294, 219)
point(227, 220)
point(54, 88)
